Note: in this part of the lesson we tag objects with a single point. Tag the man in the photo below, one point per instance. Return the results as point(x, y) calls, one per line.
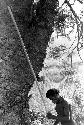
point(62, 108)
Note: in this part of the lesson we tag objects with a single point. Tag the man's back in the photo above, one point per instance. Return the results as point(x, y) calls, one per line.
point(63, 110)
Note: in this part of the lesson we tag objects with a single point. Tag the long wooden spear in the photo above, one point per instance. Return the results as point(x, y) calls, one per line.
point(26, 54)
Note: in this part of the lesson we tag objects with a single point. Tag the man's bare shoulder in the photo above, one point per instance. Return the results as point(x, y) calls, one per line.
point(64, 102)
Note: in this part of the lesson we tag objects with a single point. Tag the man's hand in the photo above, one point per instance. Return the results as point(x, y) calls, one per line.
point(49, 115)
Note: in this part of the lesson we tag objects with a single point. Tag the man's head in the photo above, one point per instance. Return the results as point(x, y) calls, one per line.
point(53, 94)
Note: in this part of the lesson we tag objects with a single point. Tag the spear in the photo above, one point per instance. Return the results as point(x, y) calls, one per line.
point(26, 54)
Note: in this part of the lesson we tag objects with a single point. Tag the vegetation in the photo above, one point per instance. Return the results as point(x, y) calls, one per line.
point(36, 23)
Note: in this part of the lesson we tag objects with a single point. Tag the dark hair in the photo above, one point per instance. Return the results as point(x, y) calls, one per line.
point(52, 93)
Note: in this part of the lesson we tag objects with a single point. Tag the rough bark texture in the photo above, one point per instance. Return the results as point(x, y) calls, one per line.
point(16, 77)
point(35, 23)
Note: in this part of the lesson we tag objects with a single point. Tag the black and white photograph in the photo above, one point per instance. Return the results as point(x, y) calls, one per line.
point(41, 62)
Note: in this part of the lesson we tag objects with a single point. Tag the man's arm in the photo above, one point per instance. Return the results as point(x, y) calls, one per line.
point(65, 116)
point(57, 118)
point(50, 116)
